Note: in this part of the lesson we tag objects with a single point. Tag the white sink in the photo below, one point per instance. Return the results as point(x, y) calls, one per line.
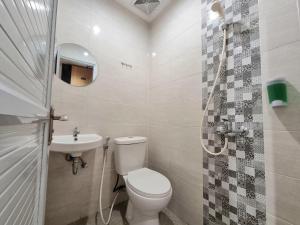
point(66, 143)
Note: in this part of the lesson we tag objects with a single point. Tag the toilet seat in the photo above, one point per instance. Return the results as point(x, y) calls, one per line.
point(148, 183)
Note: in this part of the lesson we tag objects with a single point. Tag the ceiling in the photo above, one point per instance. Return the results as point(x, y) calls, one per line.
point(129, 4)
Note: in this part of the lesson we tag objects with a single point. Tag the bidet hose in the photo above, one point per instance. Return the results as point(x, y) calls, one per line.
point(223, 59)
point(106, 222)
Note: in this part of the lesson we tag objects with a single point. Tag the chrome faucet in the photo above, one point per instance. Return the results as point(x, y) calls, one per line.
point(75, 133)
point(226, 128)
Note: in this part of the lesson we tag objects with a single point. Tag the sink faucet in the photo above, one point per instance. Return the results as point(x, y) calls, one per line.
point(75, 133)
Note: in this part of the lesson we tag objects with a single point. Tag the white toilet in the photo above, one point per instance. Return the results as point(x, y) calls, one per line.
point(149, 191)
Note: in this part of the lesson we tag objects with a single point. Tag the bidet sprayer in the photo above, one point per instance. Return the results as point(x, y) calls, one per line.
point(106, 143)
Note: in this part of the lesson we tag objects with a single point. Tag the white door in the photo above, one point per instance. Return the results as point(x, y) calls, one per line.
point(27, 30)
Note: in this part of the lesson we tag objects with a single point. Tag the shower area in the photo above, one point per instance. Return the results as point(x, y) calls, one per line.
point(254, 180)
point(193, 78)
point(234, 183)
point(243, 186)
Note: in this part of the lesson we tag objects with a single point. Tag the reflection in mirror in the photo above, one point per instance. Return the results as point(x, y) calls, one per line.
point(75, 65)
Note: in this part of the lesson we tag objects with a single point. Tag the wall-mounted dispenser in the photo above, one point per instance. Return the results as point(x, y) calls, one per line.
point(277, 92)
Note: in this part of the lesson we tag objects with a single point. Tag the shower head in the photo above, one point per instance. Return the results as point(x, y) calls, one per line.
point(217, 7)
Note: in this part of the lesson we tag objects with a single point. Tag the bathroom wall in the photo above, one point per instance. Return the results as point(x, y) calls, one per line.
point(280, 45)
point(114, 105)
point(175, 105)
point(234, 183)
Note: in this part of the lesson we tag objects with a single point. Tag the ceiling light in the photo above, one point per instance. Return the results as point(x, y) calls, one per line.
point(96, 30)
point(86, 54)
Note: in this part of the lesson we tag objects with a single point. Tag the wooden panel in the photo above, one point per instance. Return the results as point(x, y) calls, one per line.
point(81, 76)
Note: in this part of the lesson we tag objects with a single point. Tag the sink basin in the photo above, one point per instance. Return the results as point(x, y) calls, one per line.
point(66, 143)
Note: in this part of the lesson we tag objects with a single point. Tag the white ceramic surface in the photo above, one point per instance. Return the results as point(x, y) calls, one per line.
point(148, 183)
point(67, 144)
point(149, 191)
point(142, 210)
point(129, 154)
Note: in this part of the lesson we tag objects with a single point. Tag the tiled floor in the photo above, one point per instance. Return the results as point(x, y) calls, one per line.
point(118, 217)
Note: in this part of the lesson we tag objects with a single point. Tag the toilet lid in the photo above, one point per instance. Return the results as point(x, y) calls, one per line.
point(148, 183)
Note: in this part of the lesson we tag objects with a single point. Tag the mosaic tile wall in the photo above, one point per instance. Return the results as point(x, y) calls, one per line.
point(234, 184)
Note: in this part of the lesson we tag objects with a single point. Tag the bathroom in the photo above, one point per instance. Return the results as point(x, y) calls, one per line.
point(188, 112)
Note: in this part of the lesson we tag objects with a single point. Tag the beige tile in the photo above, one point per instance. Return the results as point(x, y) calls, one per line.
point(175, 22)
point(99, 111)
point(62, 216)
point(188, 63)
point(278, 23)
point(282, 62)
point(175, 99)
point(165, 136)
point(283, 147)
point(181, 163)
point(283, 197)
point(157, 162)
point(184, 213)
point(272, 220)
point(177, 103)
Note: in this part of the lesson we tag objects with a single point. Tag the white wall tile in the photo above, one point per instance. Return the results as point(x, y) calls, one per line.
point(283, 197)
point(278, 23)
point(280, 35)
point(175, 99)
point(114, 105)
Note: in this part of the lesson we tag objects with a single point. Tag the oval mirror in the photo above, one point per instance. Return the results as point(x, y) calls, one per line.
point(75, 65)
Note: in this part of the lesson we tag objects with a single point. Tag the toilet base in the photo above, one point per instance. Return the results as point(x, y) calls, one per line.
point(135, 217)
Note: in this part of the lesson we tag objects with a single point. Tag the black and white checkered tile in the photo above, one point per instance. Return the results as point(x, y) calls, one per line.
point(234, 184)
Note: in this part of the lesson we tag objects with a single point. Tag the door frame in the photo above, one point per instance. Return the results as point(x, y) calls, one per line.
point(45, 151)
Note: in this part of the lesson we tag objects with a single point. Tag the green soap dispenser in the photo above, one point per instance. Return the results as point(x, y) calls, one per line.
point(277, 92)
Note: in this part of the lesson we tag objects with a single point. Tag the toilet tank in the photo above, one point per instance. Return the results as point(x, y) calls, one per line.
point(129, 154)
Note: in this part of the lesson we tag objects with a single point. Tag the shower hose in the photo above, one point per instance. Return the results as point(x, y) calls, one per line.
point(105, 222)
point(222, 62)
